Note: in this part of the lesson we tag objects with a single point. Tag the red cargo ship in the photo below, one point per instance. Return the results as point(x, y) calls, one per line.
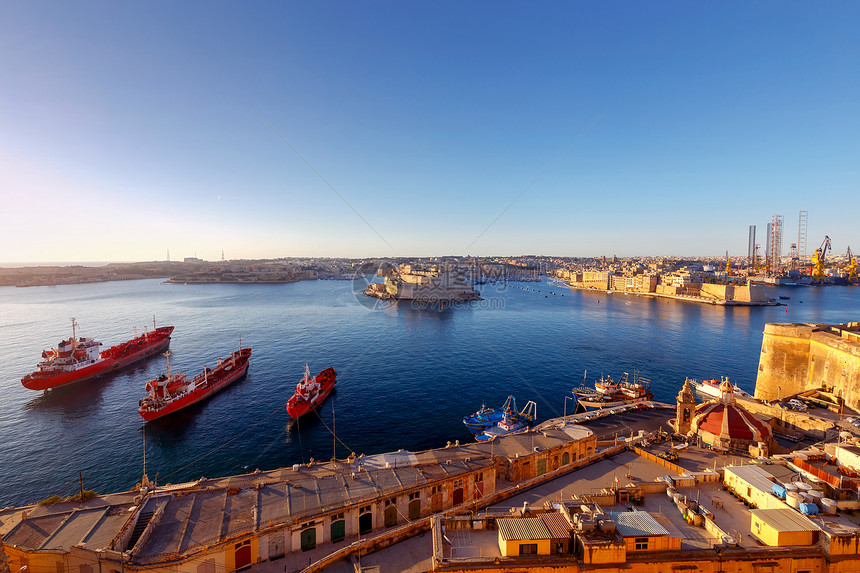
point(171, 392)
point(79, 359)
point(311, 392)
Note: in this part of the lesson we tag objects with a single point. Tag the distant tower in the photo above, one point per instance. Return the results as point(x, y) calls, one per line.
point(222, 255)
point(751, 249)
point(767, 246)
point(801, 234)
point(686, 408)
point(776, 243)
point(168, 255)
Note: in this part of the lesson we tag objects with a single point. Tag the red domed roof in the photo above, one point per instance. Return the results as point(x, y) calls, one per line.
point(730, 420)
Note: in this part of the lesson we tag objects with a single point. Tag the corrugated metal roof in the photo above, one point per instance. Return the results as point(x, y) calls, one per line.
point(630, 523)
point(784, 519)
point(557, 524)
point(523, 528)
point(753, 475)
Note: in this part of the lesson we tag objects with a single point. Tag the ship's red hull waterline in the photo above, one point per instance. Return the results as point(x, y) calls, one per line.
point(111, 360)
point(219, 378)
point(296, 407)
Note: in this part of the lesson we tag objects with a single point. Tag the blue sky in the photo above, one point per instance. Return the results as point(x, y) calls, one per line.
point(628, 128)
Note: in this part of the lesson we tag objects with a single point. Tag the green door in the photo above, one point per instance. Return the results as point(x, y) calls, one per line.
point(309, 538)
point(541, 463)
point(390, 516)
point(338, 530)
point(415, 509)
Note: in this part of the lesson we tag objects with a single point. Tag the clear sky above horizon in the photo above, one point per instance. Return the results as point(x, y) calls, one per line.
point(269, 129)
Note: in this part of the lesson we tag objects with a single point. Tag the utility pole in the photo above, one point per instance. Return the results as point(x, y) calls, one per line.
point(81, 481)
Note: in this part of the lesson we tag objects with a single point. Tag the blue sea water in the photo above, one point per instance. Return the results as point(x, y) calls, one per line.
point(406, 376)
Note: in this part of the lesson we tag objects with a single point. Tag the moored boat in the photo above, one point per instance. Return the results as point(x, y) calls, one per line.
point(311, 392)
point(79, 359)
point(485, 418)
point(711, 388)
point(511, 423)
point(173, 391)
point(607, 393)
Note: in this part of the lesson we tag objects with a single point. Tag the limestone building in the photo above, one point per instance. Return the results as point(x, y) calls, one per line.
point(799, 357)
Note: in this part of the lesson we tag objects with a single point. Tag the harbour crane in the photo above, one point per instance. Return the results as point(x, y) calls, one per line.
point(728, 265)
point(818, 261)
point(851, 268)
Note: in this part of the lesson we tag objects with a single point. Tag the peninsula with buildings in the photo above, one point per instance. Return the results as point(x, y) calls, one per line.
point(713, 280)
point(711, 483)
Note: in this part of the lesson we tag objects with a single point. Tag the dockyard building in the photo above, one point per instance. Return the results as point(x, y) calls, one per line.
point(230, 523)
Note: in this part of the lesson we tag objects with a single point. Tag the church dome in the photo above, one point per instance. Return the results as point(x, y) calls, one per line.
point(730, 422)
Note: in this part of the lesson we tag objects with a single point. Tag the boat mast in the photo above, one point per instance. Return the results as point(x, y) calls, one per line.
point(74, 324)
point(167, 357)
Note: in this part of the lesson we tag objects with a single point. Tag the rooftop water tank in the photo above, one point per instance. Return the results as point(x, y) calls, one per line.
point(778, 490)
point(808, 508)
point(790, 487)
point(828, 506)
point(793, 499)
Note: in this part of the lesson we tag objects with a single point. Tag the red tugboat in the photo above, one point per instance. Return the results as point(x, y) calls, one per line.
point(171, 392)
point(311, 392)
point(79, 359)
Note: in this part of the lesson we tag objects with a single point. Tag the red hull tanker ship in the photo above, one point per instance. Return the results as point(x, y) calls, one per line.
point(79, 359)
point(171, 392)
point(311, 392)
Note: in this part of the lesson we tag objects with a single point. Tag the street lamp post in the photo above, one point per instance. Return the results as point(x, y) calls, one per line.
point(566, 398)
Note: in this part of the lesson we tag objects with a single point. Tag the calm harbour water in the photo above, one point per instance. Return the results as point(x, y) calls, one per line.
point(406, 377)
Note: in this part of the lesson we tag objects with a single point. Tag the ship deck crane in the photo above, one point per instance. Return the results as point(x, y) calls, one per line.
point(818, 258)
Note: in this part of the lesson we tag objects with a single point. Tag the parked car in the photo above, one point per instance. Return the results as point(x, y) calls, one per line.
point(797, 404)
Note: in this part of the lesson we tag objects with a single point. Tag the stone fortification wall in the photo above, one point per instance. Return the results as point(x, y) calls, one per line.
point(733, 293)
point(799, 357)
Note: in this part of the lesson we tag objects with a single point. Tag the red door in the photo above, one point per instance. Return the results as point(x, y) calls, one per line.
point(243, 556)
point(458, 496)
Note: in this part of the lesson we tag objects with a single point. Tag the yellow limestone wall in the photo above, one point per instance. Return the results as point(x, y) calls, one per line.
point(798, 357)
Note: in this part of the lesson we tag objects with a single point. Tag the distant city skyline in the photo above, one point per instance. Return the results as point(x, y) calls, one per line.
point(339, 129)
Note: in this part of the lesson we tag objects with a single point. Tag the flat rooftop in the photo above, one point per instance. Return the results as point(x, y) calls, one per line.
point(199, 513)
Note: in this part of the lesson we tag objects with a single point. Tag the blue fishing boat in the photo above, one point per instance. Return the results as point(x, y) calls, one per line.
point(486, 418)
point(511, 423)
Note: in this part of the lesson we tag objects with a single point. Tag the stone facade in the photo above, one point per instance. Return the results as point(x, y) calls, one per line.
point(799, 357)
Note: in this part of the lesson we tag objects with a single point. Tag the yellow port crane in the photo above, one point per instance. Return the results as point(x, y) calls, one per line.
point(851, 268)
point(728, 265)
point(818, 261)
